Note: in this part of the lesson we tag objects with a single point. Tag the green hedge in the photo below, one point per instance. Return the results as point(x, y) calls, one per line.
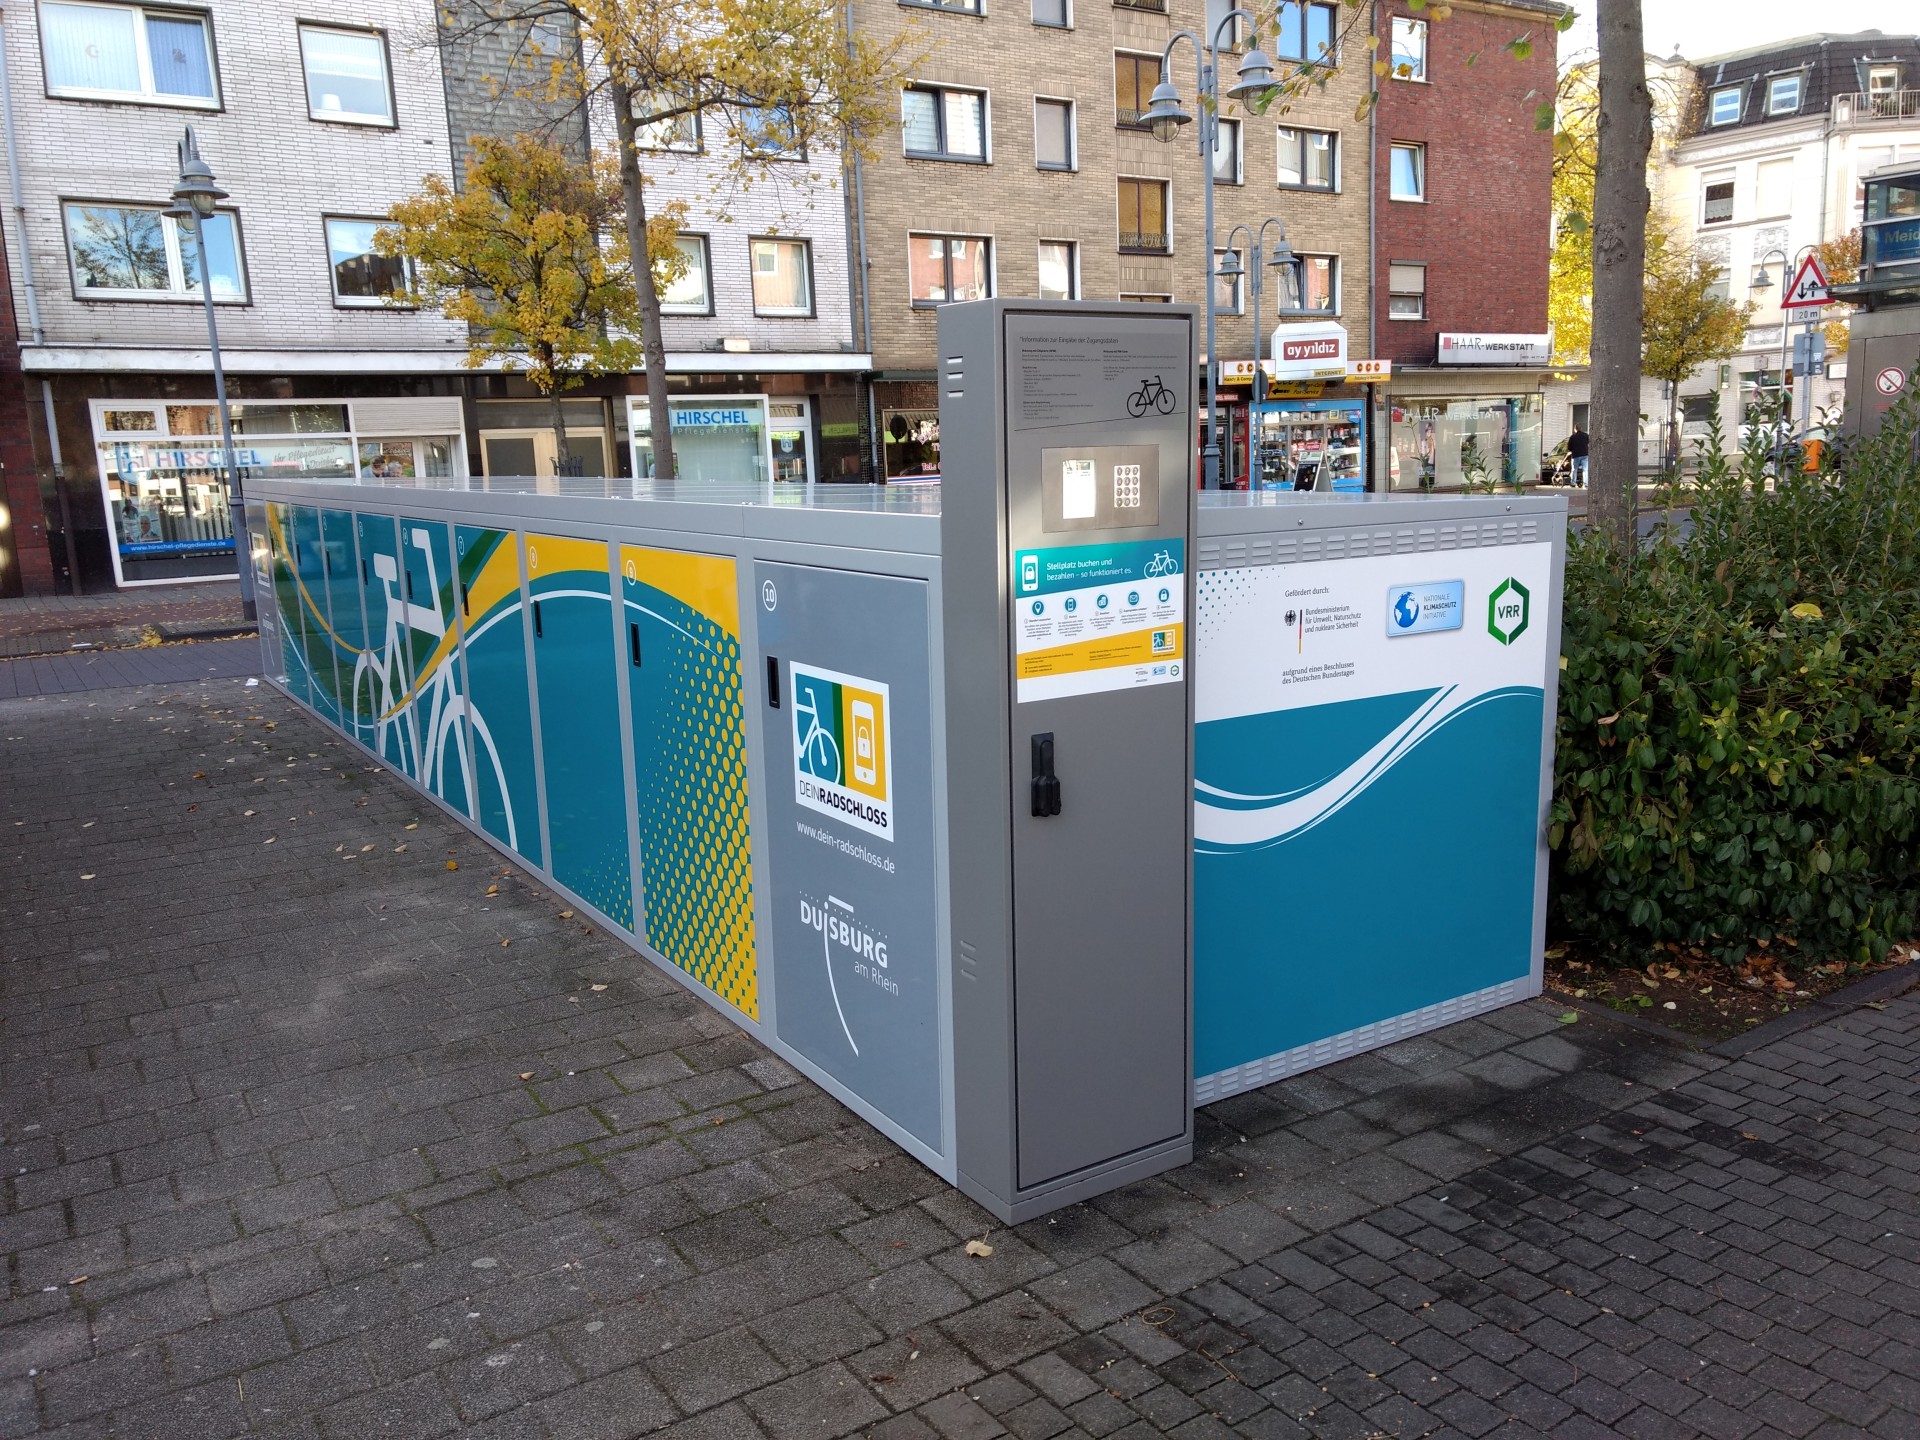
point(1739, 713)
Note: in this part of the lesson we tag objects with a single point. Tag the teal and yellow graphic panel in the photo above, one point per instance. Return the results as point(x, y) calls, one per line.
point(436, 699)
point(570, 583)
point(382, 678)
point(286, 594)
point(310, 583)
point(347, 630)
point(681, 614)
point(499, 706)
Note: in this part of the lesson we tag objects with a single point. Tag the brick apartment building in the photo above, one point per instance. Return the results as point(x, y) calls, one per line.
point(1021, 169)
point(1462, 189)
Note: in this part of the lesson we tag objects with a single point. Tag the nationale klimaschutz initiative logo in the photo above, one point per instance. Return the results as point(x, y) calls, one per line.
point(1508, 610)
point(843, 748)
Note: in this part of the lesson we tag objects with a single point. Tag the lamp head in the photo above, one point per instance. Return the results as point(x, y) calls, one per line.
point(1282, 252)
point(195, 189)
point(1763, 281)
point(1230, 267)
point(1163, 115)
point(1256, 75)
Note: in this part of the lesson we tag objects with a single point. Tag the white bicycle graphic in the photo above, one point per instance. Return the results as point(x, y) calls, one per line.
point(417, 726)
point(1162, 563)
point(816, 739)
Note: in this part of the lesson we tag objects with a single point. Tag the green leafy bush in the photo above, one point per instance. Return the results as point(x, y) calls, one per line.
point(1739, 713)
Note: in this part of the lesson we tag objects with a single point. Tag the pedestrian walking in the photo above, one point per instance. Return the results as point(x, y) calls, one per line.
point(1577, 453)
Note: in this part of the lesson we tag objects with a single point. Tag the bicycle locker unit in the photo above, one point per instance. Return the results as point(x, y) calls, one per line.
point(972, 801)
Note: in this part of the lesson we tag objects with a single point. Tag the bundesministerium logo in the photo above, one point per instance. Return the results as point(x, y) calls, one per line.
point(843, 748)
point(1508, 609)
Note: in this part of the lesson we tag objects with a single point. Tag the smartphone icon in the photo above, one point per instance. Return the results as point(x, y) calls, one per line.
point(864, 770)
point(1029, 572)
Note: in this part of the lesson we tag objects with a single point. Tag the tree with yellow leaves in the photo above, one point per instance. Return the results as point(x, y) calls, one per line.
point(1687, 321)
point(772, 80)
point(516, 254)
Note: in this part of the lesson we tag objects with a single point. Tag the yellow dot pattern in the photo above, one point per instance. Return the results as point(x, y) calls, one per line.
point(690, 751)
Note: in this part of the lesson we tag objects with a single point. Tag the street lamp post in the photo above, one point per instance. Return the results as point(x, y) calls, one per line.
point(1283, 260)
point(1164, 116)
point(1762, 281)
point(194, 199)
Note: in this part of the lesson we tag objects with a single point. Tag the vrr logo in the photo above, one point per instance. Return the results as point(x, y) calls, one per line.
point(1508, 610)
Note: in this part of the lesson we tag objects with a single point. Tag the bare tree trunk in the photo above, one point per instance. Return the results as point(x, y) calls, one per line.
point(1619, 269)
point(634, 191)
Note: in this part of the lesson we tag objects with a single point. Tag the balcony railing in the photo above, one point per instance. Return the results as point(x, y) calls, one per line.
point(1152, 242)
point(1878, 105)
point(1126, 119)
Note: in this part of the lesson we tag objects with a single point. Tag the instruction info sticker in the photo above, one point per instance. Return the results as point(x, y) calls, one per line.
point(1090, 618)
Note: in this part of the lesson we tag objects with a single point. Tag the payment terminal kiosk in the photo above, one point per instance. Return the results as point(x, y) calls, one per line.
point(1067, 454)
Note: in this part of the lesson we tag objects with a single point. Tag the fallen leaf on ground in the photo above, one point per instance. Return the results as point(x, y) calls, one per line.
point(243, 812)
point(453, 864)
point(979, 1247)
point(414, 826)
point(493, 889)
point(1567, 1018)
point(566, 914)
point(505, 943)
point(399, 849)
point(86, 877)
point(270, 839)
point(526, 1074)
point(599, 987)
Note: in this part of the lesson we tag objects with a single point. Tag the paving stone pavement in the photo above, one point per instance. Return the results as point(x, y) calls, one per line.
point(306, 1133)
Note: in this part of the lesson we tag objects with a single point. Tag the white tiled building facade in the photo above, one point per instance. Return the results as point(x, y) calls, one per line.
point(315, 127)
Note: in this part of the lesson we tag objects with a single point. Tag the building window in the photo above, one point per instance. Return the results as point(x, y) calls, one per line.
point(346, 75)
point(948, 267)
point(1143, 216)
point(1716, 207)
point(1408, 173)
point(659, 123)
point(1059, 270)
point(1307, 160)
point(1235, 36)
point(1409, 49)
point(126, 252)
point(1058, 14)
point(1320, 281)
point(1158, 7)
point(1228, 290)
point(1306, 31)
point(362, 276)
point(1145, 299)
point(1883, 90)
point(127, 52)
point(1134, 77)
point(782, 277)
point(769, 133)
point(958, 7)
point(691, 291)
point(944, 124)
point(1228, 152)
point(1053, 147)
point(1783, 94)
point(1406, 292)
point(1725, 106)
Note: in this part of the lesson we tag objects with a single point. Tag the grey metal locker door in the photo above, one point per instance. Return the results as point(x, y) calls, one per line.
point(850, 850)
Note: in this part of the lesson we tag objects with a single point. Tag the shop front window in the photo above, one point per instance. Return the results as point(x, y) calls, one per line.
point(912, 444)
point(715, 437)
point(1465, 442)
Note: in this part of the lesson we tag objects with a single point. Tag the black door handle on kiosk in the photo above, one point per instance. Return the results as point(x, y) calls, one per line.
point(633, 641)
point(1046, 785)
point(536, 620)
point(773, 683)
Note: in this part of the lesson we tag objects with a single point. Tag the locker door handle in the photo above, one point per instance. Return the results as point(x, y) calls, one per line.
point(409, 584)
point(465, 603)
point(633, 641)
point(363, 572)
point(536, 620)
point(1046, 785)
point(773, 683)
